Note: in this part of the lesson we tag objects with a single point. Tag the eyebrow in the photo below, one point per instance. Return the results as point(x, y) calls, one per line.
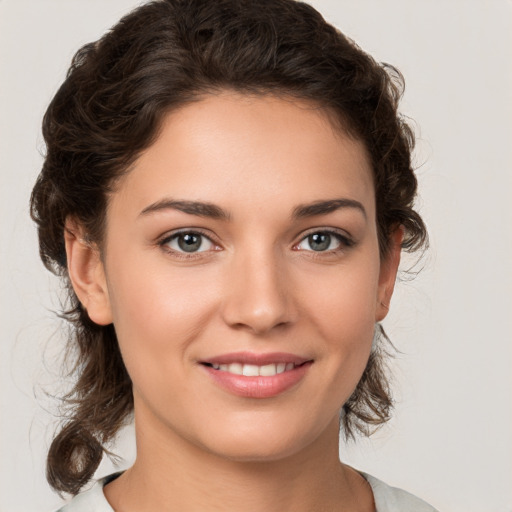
point(210, 210)
point(324, 207)
point(191, 207)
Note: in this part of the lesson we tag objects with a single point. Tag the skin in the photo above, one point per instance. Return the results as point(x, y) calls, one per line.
point(257, 285)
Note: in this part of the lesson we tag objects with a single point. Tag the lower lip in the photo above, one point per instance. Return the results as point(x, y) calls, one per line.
point(258, 387)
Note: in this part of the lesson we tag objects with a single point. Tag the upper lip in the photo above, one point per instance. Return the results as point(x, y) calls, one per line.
point(256, 359)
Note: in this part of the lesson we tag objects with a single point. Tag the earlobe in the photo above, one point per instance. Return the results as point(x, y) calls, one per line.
point(388, 272)
point(87, 273)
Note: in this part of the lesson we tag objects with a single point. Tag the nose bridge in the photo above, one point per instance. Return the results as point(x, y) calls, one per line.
point(258, 298)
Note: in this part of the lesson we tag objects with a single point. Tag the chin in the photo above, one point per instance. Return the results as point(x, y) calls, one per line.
point(249, 451)
point(262, 441)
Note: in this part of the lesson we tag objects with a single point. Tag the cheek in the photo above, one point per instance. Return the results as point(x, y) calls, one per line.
point(342, 307)
point(157, 311)
point(343, 302)
point(157, 321)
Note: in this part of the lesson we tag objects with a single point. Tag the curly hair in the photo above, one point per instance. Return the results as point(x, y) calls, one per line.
point(161, 56)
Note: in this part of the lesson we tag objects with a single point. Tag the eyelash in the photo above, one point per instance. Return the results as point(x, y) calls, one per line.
point(163, 243)
point(344, 240)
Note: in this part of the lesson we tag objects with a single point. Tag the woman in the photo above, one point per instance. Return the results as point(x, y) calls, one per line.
point(227, 190)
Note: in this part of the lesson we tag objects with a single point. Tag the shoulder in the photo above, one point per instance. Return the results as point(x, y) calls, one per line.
point(92, 500)
point(392, 499)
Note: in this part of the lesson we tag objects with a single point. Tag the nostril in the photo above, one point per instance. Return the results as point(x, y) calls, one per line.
point(257, 300)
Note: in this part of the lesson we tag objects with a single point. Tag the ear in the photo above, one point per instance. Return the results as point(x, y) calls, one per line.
point(87, 273)
point(387, 275)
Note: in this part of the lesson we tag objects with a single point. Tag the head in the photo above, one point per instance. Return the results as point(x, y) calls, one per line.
point(122, 95)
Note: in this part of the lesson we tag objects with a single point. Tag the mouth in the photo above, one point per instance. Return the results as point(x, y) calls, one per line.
point(253, 370)
point(257, 375)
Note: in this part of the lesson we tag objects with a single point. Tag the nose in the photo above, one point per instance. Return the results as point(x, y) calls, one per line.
point(259, 297)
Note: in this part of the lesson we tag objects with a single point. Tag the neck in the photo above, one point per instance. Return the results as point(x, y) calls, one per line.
point(172, 474)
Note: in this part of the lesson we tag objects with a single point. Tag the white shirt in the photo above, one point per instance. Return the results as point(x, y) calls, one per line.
point(387, 499)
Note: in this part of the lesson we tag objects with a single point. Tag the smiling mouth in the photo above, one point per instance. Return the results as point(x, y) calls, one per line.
point(253, 375)
point(252, 370)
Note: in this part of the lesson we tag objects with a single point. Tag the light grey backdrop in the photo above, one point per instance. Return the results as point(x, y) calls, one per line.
point(450, 440)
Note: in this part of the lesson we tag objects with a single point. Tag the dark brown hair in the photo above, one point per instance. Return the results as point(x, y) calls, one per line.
point(109, 109)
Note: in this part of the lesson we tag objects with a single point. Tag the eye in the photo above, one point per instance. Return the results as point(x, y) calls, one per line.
point(188, 242)
point(322, 241)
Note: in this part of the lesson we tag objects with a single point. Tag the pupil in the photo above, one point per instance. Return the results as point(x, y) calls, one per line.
point(319, 241)
point(189, 242)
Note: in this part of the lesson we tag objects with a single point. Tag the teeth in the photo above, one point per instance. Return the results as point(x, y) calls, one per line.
point(268, 370)
point(235, 368)
point(252, 370)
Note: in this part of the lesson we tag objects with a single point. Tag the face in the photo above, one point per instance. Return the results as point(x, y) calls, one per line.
point(241, 270)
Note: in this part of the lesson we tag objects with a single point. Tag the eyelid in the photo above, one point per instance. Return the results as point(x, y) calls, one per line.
point(345, 238)
point(163, 240)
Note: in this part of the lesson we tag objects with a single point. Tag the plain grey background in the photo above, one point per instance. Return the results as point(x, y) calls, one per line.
point(450, 440)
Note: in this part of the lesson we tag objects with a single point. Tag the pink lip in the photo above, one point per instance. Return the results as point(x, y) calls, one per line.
point(257, 387)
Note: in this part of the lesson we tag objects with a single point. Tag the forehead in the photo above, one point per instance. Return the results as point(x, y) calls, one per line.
point(230, 146)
